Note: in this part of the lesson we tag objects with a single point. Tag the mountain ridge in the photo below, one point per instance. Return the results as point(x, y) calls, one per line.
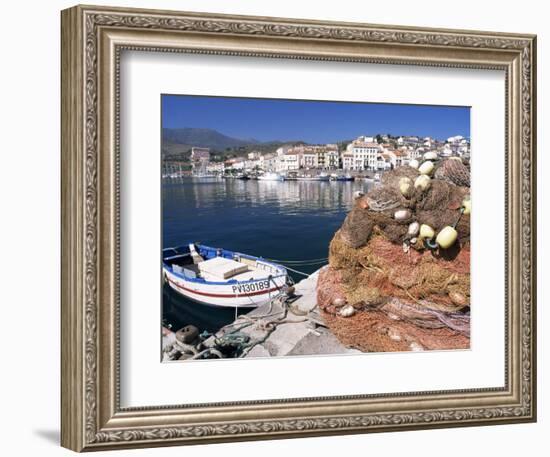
point(204, 137)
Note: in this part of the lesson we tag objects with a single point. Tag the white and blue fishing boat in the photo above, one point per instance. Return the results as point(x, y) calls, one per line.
point(218, 277)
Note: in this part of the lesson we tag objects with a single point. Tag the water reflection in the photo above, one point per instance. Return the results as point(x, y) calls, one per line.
point(290, 220)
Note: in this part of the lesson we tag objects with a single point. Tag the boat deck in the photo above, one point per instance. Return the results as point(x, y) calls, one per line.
point(251, 273)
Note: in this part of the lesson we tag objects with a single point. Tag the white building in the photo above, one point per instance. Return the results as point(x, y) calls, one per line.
point(365, 154)
point(252, 164)
point(198, 154)
point(200, 157)
point(283, 150)
point(215, 167)
point(332, 159)
point(235, 164)
point(455, 139)
point(347, 160)
point(396, 157)
point(289, 161)
point(413, 153)
point(310, 158)
point(446, 151)
point(268, 162)
point(384, 161)
point(428, 142)
point(366, 139)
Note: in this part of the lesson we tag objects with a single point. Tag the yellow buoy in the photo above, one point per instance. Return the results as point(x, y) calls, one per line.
point(406, 186)
point(467, 205)
point(426, 168)
point(426, 231)
point(447, 237)
point(422, 182)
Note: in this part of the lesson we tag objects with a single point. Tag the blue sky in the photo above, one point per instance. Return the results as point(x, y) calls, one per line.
point(311, 121)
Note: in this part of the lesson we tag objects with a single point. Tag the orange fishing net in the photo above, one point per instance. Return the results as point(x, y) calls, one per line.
point(405, 296)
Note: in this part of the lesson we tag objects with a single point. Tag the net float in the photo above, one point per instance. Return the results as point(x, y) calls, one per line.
point(446, 237)
point(402, 215)
point(458, 299)
point(414, 228)
point(406, 186)
point(467, 205)
point(426, 232)
point(426, 168)
point(422, 182)
point(347, 311)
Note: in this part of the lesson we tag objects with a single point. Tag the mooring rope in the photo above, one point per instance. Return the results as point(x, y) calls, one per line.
point(300, 262)
point(296, 271)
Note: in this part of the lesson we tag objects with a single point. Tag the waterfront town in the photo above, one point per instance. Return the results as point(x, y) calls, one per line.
point(364, 154)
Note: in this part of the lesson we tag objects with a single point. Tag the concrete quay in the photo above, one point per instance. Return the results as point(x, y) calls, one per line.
point(299, 331)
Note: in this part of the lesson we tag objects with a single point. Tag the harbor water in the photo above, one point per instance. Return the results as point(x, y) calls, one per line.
point(287, 221)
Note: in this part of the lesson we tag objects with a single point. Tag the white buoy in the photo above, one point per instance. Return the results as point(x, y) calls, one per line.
point(414, 228)
point(414, 163)
point(347, 311)
point(402, 215)
point(430, 155)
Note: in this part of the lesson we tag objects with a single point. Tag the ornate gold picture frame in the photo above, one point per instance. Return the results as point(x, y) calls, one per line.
point(93, 39)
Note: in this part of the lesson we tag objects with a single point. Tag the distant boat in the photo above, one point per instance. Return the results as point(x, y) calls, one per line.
point(270, 176)
point(205, 176)
point(347, 177)
point(222, 278)
point(320, 177)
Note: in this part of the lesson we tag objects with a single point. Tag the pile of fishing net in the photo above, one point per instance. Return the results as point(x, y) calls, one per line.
point(399, 267)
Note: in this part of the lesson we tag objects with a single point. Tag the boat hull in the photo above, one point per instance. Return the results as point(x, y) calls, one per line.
point(248, 294)
point(322, 178)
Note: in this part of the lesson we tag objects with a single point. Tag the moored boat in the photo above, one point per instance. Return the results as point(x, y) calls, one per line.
point(218, 277)
point(270, 176)
point(347, 177)
point(205, 176)
point(320, 177)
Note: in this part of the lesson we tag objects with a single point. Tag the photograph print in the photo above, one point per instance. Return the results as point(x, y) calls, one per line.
point(309, 227)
